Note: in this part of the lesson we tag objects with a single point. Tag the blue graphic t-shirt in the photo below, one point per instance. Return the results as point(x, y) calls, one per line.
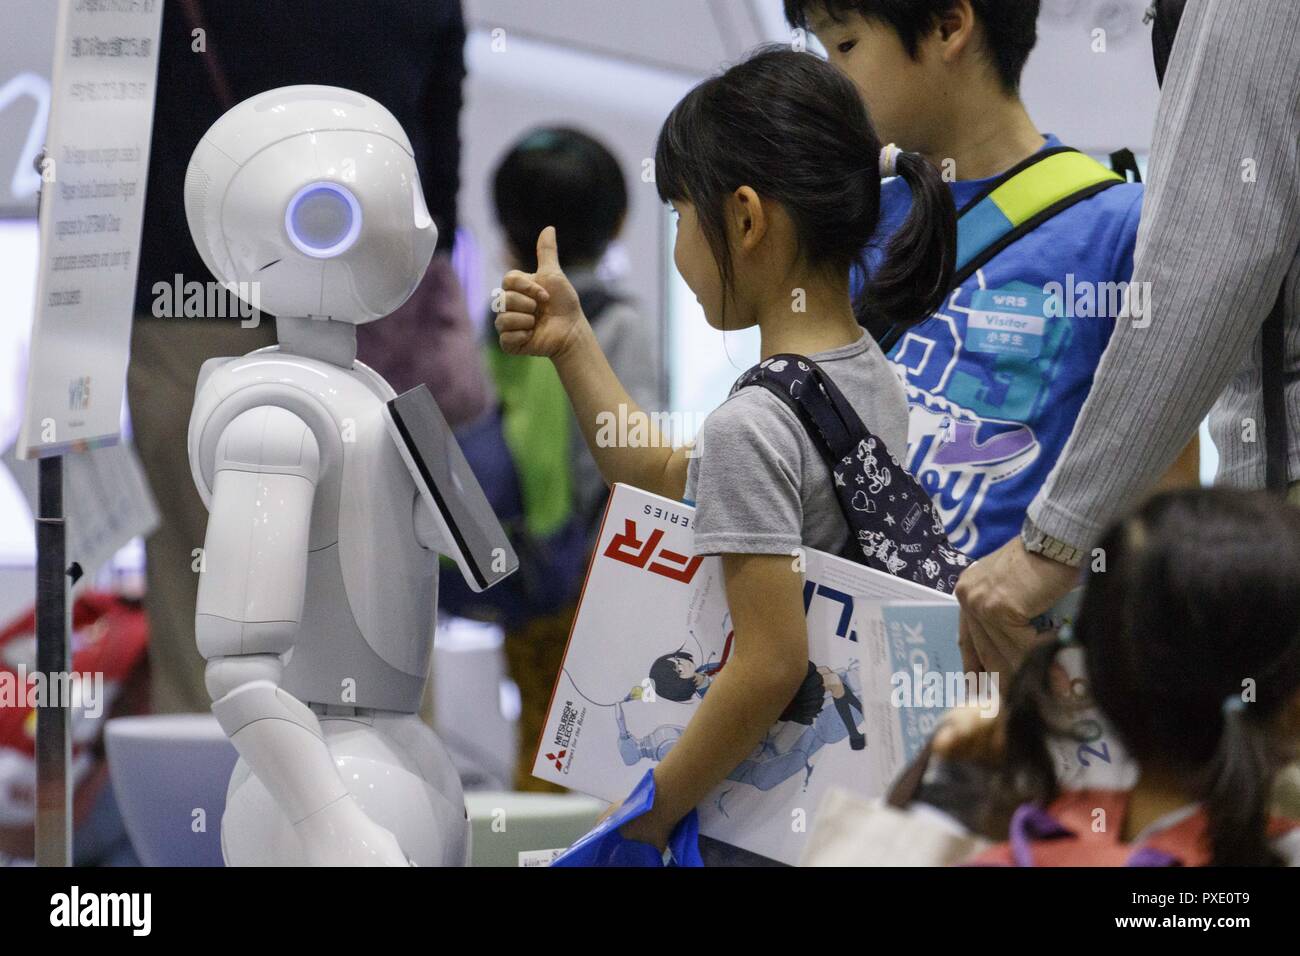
point(996, 378)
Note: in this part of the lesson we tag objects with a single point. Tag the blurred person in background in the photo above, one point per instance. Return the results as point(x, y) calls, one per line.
point(529, 452)
point(1191, 650)
point(408, 55)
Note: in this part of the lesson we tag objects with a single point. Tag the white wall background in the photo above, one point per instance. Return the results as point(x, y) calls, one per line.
point(1097, 91)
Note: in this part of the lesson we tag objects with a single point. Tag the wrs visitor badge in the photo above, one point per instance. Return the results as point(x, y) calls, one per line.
point(1005, 322)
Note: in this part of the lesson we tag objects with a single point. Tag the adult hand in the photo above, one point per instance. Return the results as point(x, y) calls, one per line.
point(999, 595)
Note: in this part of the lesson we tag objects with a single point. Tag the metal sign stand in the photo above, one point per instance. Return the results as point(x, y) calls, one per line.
point(54, 714)
point(59, 354)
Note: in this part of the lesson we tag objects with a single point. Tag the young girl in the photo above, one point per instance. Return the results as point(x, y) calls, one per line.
point(773, 170)
point(1192, 645)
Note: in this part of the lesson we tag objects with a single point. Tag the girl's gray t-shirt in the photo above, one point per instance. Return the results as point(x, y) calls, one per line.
point(757, 481)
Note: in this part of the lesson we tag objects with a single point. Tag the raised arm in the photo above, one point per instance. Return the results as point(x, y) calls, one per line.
point(252, 583)
point(540, 315)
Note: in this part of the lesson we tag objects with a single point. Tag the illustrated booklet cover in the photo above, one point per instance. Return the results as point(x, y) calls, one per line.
point(652, 632)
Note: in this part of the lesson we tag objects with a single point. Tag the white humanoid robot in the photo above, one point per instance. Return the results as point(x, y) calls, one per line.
point(317, 591)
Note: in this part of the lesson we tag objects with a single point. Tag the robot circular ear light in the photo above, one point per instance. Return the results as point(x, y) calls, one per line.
point(323, 220)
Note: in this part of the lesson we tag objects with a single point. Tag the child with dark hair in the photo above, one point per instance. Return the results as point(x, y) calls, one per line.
point(825, 710)
point(562, 177)
point(997, 376)
point(774, 171)
point(676, 677)
point(1009, 31)
point(1191, 640)
point(555, 176)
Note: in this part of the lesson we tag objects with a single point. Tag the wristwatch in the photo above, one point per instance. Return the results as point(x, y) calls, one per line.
point(1039, 542)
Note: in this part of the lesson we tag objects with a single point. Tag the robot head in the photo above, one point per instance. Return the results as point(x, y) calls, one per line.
point(307, 199)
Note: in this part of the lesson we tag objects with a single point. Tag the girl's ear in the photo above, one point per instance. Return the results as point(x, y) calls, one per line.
point(748, 218)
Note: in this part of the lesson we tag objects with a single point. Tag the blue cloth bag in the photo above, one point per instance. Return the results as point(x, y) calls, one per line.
point(605, 846)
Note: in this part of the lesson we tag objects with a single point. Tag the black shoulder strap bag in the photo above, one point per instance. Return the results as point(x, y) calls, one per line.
point(894, 526)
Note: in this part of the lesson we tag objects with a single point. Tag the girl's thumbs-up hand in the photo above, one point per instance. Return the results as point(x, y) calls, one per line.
point(539, 314)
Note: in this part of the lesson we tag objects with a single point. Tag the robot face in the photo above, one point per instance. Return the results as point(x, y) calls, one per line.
point(307, 200)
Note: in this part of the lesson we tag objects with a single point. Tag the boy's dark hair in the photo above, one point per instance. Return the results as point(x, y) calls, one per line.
point(1010, 26)
point(563, 178)
point(794, 129)
point(1201, 593)
point(668, 683)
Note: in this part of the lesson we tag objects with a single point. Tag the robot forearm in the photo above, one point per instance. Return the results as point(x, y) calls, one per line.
point(280, 740)
point(277, 735)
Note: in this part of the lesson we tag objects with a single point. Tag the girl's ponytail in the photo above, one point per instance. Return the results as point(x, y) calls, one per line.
point(916, 276)
point(1238, 791)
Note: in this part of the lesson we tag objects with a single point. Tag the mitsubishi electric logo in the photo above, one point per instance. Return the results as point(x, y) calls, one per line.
point(131, 910)
point(569, 720)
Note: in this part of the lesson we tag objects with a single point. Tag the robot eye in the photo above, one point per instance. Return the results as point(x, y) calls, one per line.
point(323, 220)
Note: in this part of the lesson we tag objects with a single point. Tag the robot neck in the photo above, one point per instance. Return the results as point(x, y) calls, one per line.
point(322, 339)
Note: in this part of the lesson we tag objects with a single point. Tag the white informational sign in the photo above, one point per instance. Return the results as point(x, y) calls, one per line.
point(92, 207)
point(106, 501)
point(652, 631)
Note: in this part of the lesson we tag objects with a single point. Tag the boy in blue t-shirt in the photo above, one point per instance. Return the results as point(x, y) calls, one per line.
point(996, 378)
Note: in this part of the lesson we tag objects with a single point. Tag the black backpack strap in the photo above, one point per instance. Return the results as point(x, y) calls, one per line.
point(894, 526)
point(1125, 163)
point(1165, 16)
point(1276, 444)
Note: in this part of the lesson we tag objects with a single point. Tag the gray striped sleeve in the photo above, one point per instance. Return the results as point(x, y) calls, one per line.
point(1220, 233)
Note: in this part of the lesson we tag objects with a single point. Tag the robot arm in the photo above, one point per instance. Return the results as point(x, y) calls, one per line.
point(250, 601)
point(629, 748)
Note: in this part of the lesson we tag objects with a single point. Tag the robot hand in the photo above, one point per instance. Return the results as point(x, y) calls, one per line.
point(343, 835)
